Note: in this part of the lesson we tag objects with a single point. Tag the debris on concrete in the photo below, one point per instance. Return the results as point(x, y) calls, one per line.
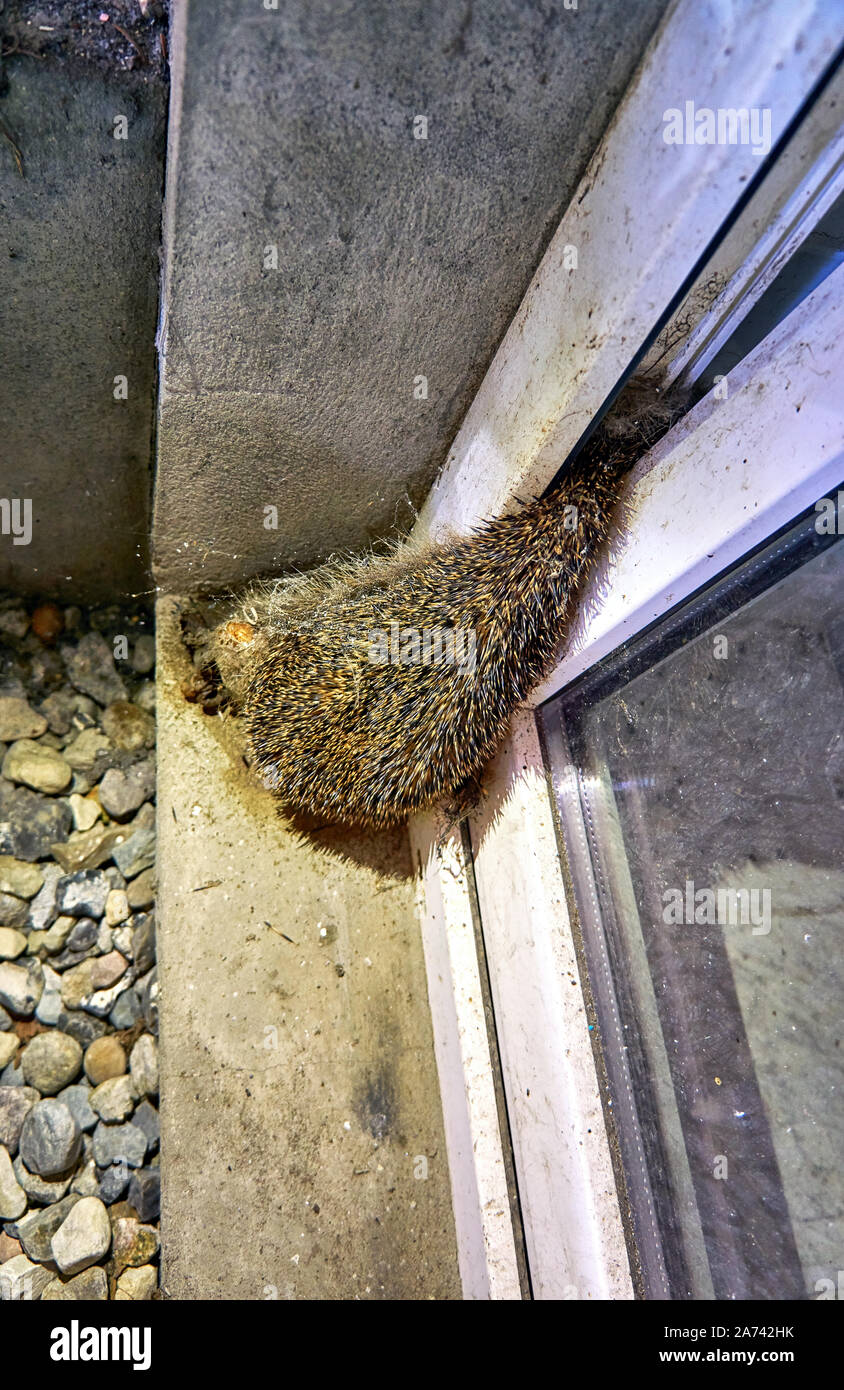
point(121, 36)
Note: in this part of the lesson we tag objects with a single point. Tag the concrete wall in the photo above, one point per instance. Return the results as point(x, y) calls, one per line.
point(397, 258)
point(79, 274)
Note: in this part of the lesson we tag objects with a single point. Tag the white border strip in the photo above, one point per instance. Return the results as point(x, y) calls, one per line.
point(486, 1249)
point(573, 1232)
point(730, 474)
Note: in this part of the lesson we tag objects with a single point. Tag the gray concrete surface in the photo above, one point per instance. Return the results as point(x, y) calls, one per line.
point(397, 258)
point(79, 273)
point(300, 1104)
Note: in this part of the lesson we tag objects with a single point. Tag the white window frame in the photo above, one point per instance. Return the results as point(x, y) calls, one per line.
point(572, 342)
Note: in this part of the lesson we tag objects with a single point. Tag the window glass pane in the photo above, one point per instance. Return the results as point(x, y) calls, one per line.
point(701, 781)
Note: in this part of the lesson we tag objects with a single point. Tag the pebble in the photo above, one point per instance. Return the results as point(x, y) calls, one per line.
point(21, 987)
point(50, 1003)
point(127, 1010)
point(51, 1061)
point(13, 911)
point(113, 1183)
point(146, 1118)
point(102, 1001)
point(55, 939)
point(58, 709)
point(30, 823)
point(143, 654)
point(51, 1140)
point(19, 878)
point(141, 891)
point(86, 811)
point(12, 1195)
point(88, 849)
point(122, 940)
point(145, 697)
point(136, 1285)
point(36, 1231)
point(129, 727)
point(104, 1060)
point(123, 793)
point(11, 1075)
point(145, 1193)
point(148, 994)
point(89, 752)
point(107, 970)
point(78, 1101)
point(90, 1286)
point(133, 1244)
point(38, 766)
point(14, 621)
point(15, 1104)
point(84, 1236)
point(105, 939)
point(90, 668)
point(8, 1248)
point(119, 1144)
point(12, 943)
point(83, 894)
point(143, 1065)
point(81, 1026)
point(42, 909)
point(76, 985)
point(137, 852)
point(117, 906)
point(43, 1190)
point(143, 943)
point(20, 1279)
point(83, 935)
point(18, 720)
point(86, 1181)
point(114, 1099)
point(47, 621)
point(9, 1044)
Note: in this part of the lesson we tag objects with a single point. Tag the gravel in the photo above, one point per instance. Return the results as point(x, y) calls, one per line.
point(79, 1124)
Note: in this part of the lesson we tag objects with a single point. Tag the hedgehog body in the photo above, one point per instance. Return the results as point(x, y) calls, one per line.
point(373, 689)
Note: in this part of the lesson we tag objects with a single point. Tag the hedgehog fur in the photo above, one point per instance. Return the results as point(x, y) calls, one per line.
point(374, 688)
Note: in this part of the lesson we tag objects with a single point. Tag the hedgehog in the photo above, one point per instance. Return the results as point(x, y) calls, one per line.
point(374, 688)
